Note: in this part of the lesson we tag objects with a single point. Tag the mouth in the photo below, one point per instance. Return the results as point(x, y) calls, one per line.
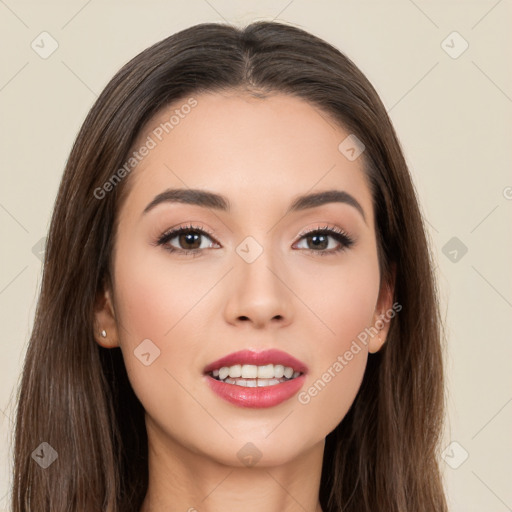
point(252, 376)
point(250, 369)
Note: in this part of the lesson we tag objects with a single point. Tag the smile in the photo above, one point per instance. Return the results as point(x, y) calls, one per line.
point(256, 379)
point(252, 376)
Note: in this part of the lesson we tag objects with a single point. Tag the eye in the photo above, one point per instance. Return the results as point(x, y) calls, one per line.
point(188, 238)
point(320, 241)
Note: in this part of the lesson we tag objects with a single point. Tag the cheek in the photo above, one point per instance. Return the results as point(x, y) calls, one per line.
point(152, 301)
point(154, 295)
point(334, 382)
point(329, 394)
point(344, 299)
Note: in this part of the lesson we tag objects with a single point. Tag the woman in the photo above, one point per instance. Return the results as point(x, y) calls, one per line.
point(191, 349)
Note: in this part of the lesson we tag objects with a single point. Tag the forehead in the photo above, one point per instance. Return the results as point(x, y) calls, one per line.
point(258, 152)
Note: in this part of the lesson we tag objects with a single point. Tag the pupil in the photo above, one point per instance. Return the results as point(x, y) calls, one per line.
point(323, 243)
point(189, 238)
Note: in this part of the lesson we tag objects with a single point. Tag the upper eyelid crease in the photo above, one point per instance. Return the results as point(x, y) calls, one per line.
point(331, 231)
point(204, 231)
point(215, 201)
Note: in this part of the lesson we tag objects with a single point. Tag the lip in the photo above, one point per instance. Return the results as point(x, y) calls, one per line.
point(273, 356)
point(259, 397)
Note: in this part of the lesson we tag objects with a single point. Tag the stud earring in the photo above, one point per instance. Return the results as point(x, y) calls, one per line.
point(103, 333)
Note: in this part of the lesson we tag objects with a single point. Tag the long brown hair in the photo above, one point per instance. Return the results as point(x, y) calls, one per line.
point(75, 395)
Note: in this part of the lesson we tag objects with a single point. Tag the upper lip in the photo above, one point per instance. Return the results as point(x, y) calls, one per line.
point(272, 356)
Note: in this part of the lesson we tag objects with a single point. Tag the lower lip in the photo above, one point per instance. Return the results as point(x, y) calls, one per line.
point(266, 396)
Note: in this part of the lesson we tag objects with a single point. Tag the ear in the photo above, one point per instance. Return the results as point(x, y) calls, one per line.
point(105, 320)
point(382, 318)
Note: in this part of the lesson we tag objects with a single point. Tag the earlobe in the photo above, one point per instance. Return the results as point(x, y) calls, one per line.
point(383, 314)
point(381, 324)
point(105, 329)
point(376, 343)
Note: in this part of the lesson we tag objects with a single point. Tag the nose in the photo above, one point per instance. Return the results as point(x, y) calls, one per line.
point(259, 294)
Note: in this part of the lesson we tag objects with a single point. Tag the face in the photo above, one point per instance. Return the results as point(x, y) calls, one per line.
point(256, 275)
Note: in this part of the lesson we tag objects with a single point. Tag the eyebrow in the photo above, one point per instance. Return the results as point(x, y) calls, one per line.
point(206, 199)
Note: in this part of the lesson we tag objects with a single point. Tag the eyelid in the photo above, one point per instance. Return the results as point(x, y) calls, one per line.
point(189, 226)
point(176, 230)
point(343, 238)
point(324, 227)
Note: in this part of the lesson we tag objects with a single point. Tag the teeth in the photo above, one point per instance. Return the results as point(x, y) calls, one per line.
point(251, 371)
point(249, 375)
point(223, 372)
point(278, 371)
point(235, 371)
point(254, 383)
point(266, 372)
point(288, 372)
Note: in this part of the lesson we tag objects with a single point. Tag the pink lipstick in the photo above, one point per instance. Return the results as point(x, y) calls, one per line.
point(256, 379)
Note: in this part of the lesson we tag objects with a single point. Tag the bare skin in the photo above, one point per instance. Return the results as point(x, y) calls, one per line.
point(260, 154)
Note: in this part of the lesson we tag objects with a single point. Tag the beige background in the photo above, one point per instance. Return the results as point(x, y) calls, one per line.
point(453, 116)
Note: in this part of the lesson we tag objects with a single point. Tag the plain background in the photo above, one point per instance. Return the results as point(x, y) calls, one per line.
point(452, 115)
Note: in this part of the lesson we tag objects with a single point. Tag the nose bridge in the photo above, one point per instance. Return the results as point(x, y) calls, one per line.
point(259, 293)
point(256, 267)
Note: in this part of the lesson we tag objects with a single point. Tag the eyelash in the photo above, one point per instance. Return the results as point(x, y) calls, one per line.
point(345, 240)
